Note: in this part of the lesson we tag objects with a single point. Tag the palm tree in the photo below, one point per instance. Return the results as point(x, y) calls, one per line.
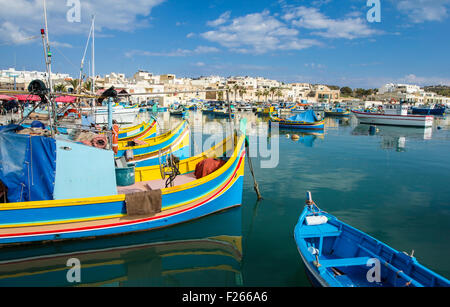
point(87, 86)
point(272, 91)
point(236, 89)
point(61, 88)
point(74, 83)
point(279, 94)
point(266, 93)
point(258, 94)
point(242, 92)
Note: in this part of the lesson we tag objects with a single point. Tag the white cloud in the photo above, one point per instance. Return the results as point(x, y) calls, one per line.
point(413, 79)
point(23, 18)
point(350, 27)
point(257, 33)
point(176, 53)
point(221, 20)
point(420, 11)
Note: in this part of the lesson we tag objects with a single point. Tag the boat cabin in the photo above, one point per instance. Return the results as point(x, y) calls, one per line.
point(395, 109)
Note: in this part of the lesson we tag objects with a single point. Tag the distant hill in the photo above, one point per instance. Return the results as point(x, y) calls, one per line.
point(442, 90)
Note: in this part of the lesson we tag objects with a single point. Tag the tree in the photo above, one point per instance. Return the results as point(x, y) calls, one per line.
point(346, 91)
point(220, 96)
point(74, 83)
point(279, 94)
point(61, 88)
point(242, 92)
point(258, 94)
point(273, 91)
point(266, 93)
point(87, 86)
point(235, 89)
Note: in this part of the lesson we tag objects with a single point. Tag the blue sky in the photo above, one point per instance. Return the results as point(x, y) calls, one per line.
point(320, 41)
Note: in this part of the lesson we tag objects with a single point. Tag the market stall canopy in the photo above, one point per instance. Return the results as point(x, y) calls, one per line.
point(28, 97)
point(66, 99)
point(6, 97)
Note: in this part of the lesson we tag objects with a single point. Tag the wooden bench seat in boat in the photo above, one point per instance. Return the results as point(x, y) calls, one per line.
point(319, 231)
point(344, 262)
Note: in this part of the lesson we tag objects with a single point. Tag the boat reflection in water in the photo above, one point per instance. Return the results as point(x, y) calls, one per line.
point(394, 137)
point(205, 252)
point(305, 137)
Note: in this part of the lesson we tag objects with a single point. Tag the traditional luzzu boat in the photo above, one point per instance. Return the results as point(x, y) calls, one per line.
point(338, 255)
point(211, 246)
point(394, 115)
point(307, 120)
point(152, 145)
point(51, 196)
point(142, 131)
point(337, 112)
point(178, 146)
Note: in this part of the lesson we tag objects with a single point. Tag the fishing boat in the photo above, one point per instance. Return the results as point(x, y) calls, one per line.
point(434, 110)
point(211, 246)
point(119, 114)
point(52, 196)
point(307, 120)
point(395, 115)
point(337, 112)
point(338, 255)
point(266, 111)
point(142, 131)
point(222, 113)
point(153, 144)
point(178, 111)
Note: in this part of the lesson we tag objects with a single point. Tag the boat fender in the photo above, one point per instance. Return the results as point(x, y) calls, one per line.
point(115, 138)
point(316, 220)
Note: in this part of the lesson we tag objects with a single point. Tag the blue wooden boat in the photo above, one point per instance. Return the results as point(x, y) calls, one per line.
point(338, 255)
point(306, 120)
point(62, 190)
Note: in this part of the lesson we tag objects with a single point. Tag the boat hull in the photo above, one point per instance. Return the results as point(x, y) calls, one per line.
point(394, 120)
point(104, 216)
point(338, 255)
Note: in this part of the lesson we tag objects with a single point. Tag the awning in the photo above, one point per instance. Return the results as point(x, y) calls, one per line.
point(28, 97)
point(6, 97)
point(66, 99)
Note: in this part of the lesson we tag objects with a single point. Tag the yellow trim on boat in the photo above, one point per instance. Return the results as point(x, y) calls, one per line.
point(156, 140)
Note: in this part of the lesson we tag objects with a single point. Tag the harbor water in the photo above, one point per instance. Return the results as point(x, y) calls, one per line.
point(392, 184)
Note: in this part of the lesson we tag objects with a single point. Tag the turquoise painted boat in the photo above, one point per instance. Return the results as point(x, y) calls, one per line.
point(58, 198)
point(338, 255)
point(306, 121)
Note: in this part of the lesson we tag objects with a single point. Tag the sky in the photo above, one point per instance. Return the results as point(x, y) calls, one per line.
point(335, 42)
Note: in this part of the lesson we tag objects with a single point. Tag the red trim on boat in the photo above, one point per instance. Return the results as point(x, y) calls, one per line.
point(132, 222)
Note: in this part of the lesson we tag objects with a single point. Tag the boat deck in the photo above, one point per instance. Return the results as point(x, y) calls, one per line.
point(155, 184)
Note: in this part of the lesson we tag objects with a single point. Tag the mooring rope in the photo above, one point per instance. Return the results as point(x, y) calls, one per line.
point(250, 166)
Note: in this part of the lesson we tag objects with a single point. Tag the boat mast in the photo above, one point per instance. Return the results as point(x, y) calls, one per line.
point(48, 63)
point(93, 56)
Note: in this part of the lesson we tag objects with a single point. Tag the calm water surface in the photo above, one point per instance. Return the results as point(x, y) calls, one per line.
point(393, 185)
